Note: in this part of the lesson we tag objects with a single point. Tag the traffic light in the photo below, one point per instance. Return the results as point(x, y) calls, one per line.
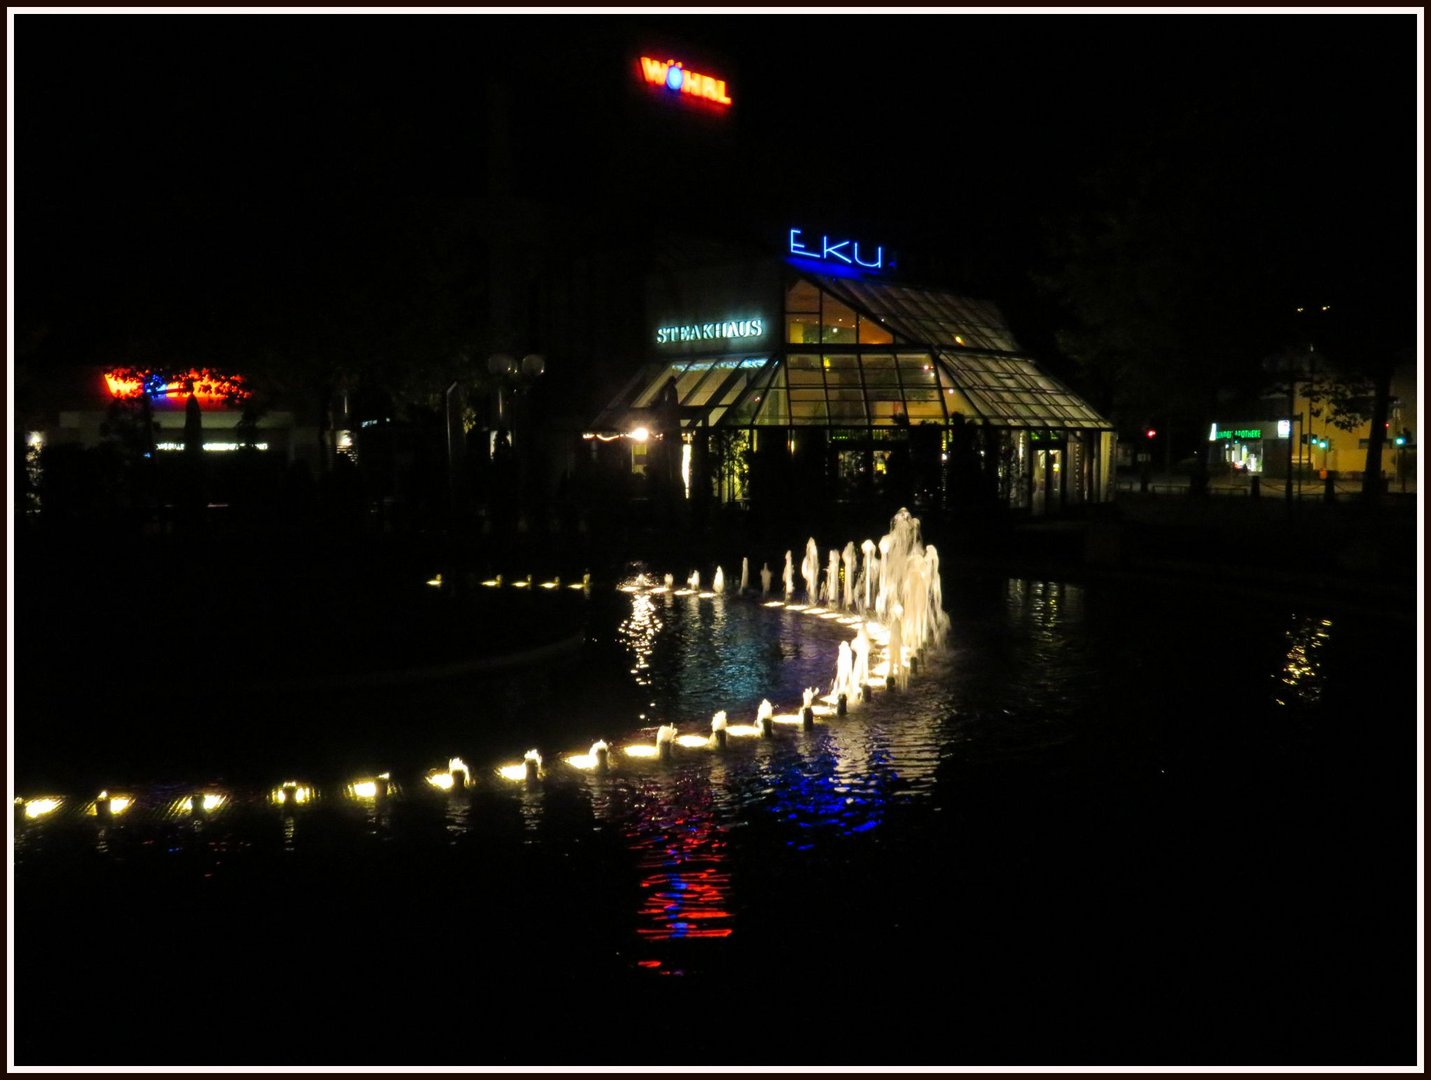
point(1151, 433)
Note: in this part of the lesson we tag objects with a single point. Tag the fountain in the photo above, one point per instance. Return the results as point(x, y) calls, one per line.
point(895, 676)
point(810, 571)
point(744, 574)
point(694, 581)
point(847, 557)
point(665, 739)
point(765, 719)
point(832, 579)
point(860, 667)
point(670, 580)
point(718, 582)
point(844, 687)
point(868, 572)
point(765, 576)
point(789, 576)
point(718, 729)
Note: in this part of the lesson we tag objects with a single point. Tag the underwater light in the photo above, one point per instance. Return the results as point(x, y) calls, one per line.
point(291, 791)
point(368, 789)
point(35, 808)
point(640, 750)
point(512, 772)
point(593, 758)
point(455, 776)
point(113, 805)
point(741, 730)
point(774, 603)
point(435, 580)
point(693, 741)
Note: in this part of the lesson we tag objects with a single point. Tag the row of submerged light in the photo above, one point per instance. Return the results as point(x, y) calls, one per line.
point(908, 597)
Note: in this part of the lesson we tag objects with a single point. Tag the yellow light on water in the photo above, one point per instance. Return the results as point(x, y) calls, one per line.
point(441, 780)
point(796, 607)
point(513, 772)
point(366, 789)
point(551, 584)
point(742, 730)
point(815, 611)
point(693, 741)
point(581, 761)
point(40, 807)
point(212, 801)
point(491, 583)
point(435, 580)
point(775, 603)
point(706, 595)
point(640, 750)
point(786, 718)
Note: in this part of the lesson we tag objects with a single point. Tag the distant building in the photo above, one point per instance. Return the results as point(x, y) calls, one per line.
point(1302, 435)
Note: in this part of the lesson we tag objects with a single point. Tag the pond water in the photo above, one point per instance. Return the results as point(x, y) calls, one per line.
point(1105, 824)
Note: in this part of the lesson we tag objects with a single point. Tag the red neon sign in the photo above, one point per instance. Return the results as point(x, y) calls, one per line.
point(212, 388)
point(673, 76)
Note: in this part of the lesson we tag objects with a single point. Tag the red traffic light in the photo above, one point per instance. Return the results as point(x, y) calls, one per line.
point(1151, 433)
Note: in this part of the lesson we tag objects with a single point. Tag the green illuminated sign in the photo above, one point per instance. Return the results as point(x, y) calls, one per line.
point(1241, 433)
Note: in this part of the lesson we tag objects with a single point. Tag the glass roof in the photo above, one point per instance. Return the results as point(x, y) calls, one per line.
point(923, 316)
point(955, 356)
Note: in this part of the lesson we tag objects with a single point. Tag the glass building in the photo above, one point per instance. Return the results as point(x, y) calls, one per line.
point(775, 375)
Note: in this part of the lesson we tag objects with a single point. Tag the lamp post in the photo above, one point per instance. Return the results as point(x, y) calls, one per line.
point(512, 377)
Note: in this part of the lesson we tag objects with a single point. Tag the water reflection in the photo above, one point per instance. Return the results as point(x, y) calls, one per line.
point(639, 632)
point(1300, 676)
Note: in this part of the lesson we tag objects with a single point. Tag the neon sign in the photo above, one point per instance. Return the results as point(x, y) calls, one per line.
point(673, 76)
point(845, 251)
point(711, 331)
point(210, 387)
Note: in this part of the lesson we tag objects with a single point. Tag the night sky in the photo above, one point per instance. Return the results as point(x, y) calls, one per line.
point(218, 178)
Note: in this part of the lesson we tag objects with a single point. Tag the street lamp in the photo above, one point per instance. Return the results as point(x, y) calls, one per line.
point(509, 371)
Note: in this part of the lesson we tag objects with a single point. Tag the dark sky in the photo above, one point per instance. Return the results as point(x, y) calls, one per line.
point(205, 162)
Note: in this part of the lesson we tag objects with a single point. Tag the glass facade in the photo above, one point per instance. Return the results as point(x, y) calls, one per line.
point(872, 366)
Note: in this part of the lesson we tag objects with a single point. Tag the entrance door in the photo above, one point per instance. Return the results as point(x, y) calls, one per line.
point(1048, 481)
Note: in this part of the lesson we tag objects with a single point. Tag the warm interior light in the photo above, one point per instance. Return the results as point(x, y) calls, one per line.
point(640, 434)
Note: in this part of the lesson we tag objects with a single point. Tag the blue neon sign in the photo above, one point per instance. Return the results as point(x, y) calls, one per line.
point(842, 252)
